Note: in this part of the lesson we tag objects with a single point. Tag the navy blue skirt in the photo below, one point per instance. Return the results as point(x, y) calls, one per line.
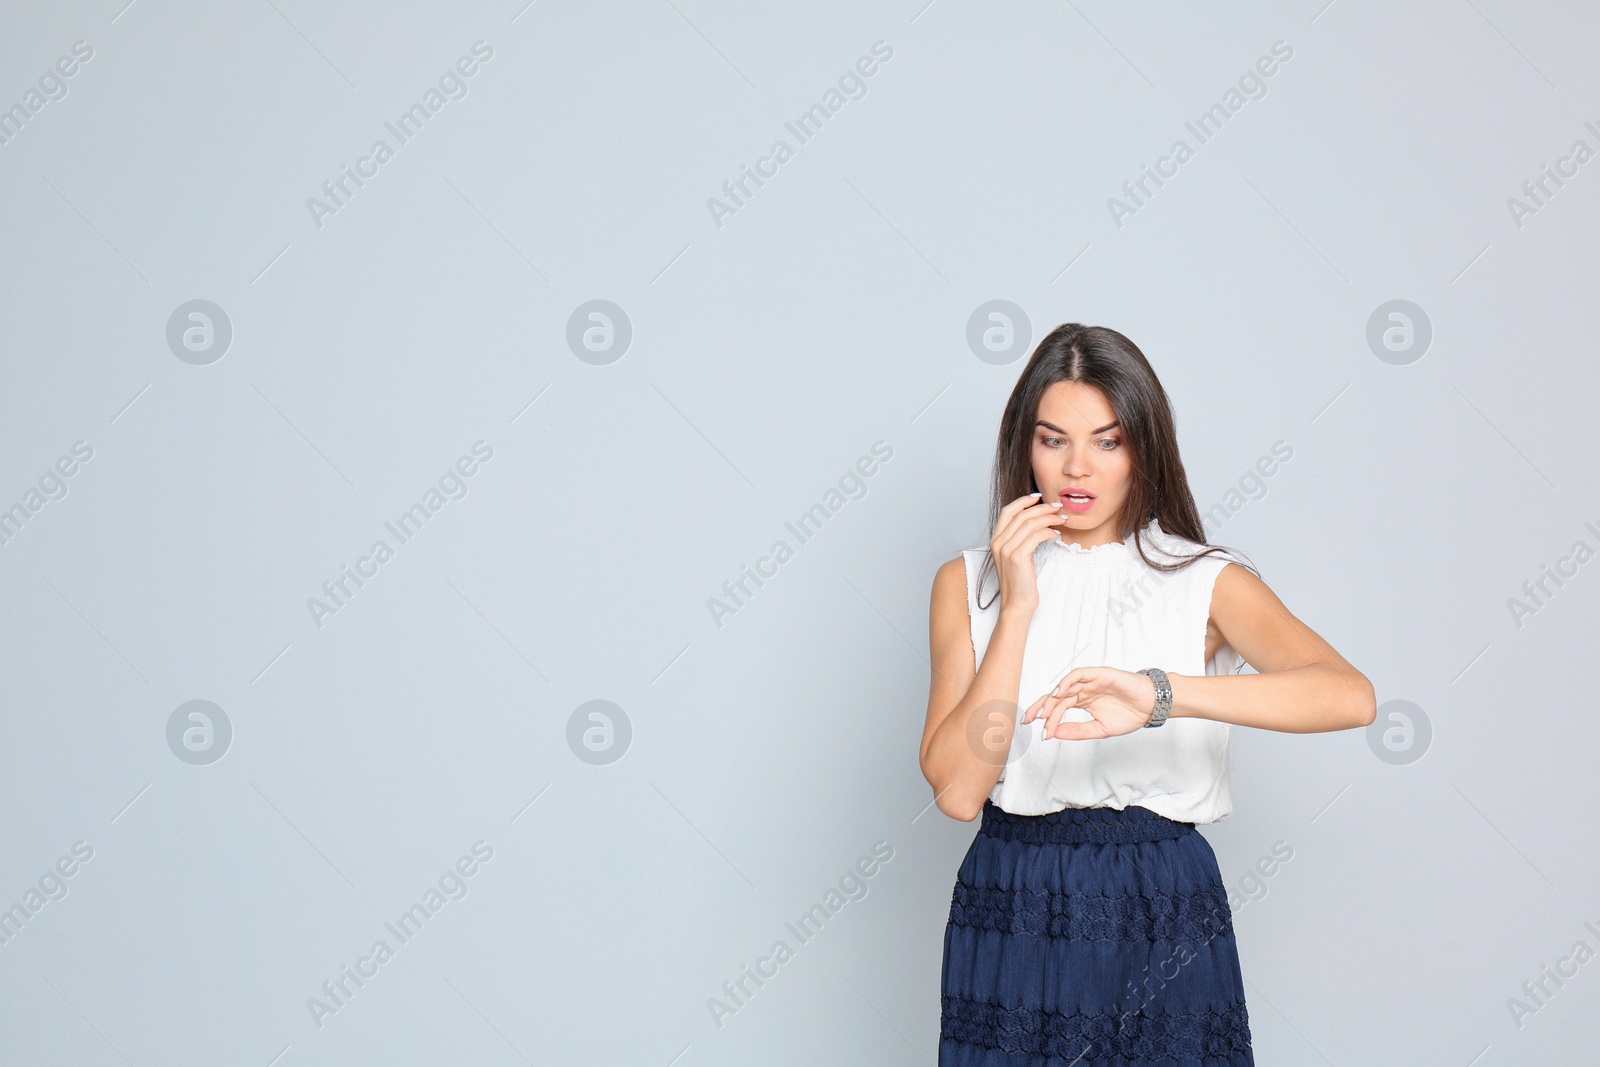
point(1094, 937)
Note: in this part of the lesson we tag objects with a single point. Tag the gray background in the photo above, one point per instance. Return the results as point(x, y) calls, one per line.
point(831, 311)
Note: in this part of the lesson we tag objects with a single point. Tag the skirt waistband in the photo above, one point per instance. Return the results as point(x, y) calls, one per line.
point(1078, 826)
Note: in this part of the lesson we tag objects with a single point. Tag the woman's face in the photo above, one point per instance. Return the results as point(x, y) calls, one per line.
point(1078, 447)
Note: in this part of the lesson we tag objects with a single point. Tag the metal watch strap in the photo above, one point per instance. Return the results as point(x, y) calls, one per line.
point(1163, 695)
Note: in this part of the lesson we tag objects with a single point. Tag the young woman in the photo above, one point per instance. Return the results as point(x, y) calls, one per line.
point(1082, 708)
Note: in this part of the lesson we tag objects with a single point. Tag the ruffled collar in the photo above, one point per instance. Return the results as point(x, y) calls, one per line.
point(1111, 552)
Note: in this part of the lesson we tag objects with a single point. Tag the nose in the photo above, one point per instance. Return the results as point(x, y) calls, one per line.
point(1077, 463)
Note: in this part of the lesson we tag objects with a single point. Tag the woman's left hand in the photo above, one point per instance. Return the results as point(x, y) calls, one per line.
point(1120, 701)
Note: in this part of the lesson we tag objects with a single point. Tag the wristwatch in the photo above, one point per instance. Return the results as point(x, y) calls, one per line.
point(1163, 695)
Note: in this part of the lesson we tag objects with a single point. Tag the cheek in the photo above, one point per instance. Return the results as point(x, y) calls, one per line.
point(1119, 466)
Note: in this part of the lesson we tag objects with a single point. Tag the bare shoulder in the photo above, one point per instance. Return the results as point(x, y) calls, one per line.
point(950, 630)
point(952, 572)
point(1238, 585)
point(949, 600)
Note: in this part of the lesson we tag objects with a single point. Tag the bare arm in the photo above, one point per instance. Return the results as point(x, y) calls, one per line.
point(972, 711)
point(1303, 686)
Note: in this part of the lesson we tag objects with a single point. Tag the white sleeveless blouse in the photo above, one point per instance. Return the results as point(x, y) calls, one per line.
point(1104, 606)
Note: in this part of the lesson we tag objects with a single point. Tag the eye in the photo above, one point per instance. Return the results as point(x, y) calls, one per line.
point(1112, 441)
point(1051, 441)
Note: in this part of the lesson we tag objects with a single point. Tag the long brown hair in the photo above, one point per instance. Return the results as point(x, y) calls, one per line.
point(1105, 359)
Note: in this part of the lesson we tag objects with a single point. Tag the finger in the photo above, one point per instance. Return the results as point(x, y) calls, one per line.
point(1011, 508)
point(1048, 511)
point(1087, 683)
point(1067, 681)
point(1028, 528)
point(1057, 713)
point(1087, 730)
point(1046, 528)
point(1009, 513)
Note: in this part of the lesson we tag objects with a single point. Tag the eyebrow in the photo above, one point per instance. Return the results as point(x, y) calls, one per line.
point(1108, 426)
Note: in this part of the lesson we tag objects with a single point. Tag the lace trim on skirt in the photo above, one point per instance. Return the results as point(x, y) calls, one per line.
point(1190, 917)
point(1191, 1036)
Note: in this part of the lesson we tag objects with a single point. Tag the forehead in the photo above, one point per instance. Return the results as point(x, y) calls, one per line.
point(1074, 406)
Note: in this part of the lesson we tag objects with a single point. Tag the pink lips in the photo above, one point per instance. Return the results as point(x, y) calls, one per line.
point(1077, 506)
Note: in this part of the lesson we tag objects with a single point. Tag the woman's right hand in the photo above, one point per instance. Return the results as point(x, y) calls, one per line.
point(1025, 524)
